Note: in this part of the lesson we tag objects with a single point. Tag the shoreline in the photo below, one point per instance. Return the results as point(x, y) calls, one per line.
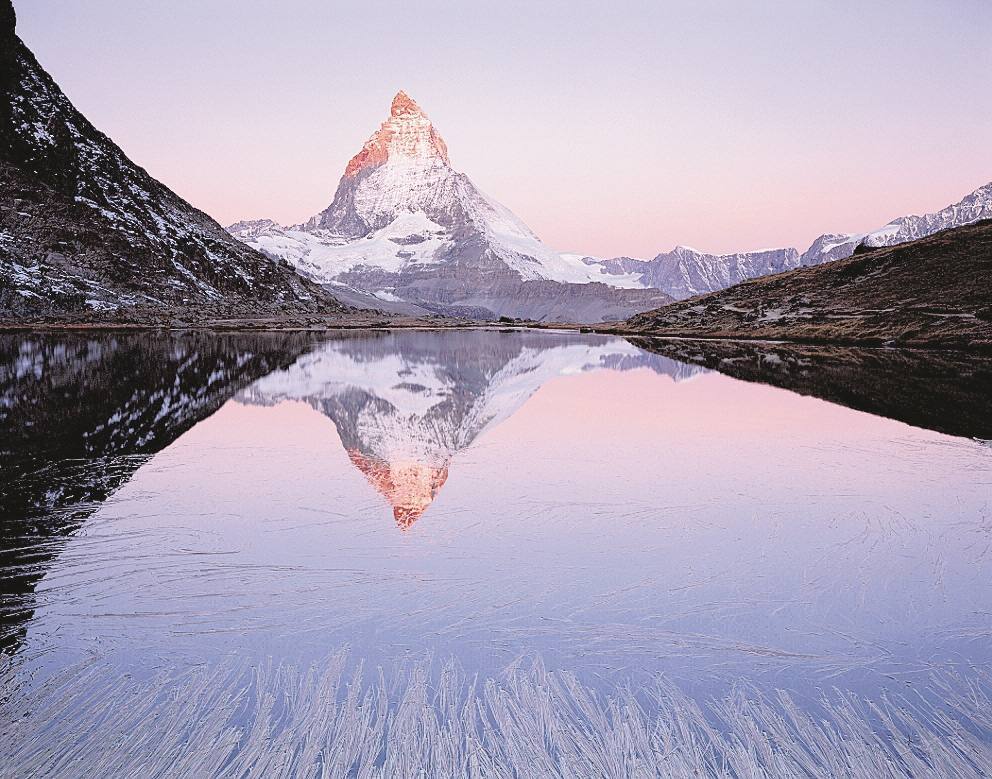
point(332, 325)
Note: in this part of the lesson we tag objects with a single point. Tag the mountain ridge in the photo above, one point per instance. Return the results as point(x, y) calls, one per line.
point(84, 231)
point(685, 272)
point(973, 207)
point(931, 292)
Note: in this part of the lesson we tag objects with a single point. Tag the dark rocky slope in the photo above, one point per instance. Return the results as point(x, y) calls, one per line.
point(86, 232)
point(933, 292)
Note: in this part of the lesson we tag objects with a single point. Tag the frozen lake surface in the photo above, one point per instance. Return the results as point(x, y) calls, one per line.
point(491, 554)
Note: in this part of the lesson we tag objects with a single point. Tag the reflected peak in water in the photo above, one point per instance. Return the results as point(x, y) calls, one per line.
point(406, 403)
point(409, 487)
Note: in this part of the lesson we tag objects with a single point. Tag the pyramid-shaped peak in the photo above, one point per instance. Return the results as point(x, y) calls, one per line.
point(407, 135)
point(403, 104)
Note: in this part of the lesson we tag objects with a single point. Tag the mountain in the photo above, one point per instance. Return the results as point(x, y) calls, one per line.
point(404, 225)
point(85, 231)
point(933, 291)
point(405, 404)
point(685, 272)
point(835, 246)
point(406, 228)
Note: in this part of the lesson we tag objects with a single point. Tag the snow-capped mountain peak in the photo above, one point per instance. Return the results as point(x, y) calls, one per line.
point(408, 228)
point(406, 137)
point(405, 224)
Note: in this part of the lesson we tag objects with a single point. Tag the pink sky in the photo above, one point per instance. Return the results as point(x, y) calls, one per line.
point(609, 128)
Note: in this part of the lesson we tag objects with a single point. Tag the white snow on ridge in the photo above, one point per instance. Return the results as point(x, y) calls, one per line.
point(411, 238)
point(971, 208)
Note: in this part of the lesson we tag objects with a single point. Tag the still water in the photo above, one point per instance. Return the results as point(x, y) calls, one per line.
point(491, 554)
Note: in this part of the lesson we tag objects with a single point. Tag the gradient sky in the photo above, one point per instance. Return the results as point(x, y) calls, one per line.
point(610, 128)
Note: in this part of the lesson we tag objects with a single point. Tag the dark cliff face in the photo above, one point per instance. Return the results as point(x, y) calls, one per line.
point(8, 19)
point(8, 58)
point(83, 228)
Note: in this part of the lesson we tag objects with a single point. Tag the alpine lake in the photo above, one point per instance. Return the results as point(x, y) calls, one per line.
point(485, 553)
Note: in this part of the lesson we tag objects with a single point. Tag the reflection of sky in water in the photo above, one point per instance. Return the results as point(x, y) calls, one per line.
point(618, 524)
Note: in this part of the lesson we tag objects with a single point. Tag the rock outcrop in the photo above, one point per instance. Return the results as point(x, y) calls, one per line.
point(84, 231)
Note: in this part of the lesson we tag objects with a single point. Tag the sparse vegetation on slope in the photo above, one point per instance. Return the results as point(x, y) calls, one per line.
point(934, 292)
point(85, 231)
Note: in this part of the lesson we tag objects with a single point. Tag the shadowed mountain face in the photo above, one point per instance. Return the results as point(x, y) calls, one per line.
point(930, 292)
point(79, 415)
point(406, 403)
point(944, 391)
point(84, 231)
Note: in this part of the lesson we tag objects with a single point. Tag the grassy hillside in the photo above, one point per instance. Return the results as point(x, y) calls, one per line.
point(934, 292)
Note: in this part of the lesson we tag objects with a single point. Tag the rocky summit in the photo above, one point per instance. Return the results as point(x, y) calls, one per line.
point(87, 233)
point(405, 226)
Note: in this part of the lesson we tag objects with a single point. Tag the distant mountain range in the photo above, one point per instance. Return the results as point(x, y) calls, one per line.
point(685, 272)
point(406, 227)
point(83, 230)
point(971, 208)
point(934, 291)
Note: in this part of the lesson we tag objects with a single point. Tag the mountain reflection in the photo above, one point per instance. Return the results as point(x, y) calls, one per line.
point(79, 414)
point(950, 392)
point(406, 403)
